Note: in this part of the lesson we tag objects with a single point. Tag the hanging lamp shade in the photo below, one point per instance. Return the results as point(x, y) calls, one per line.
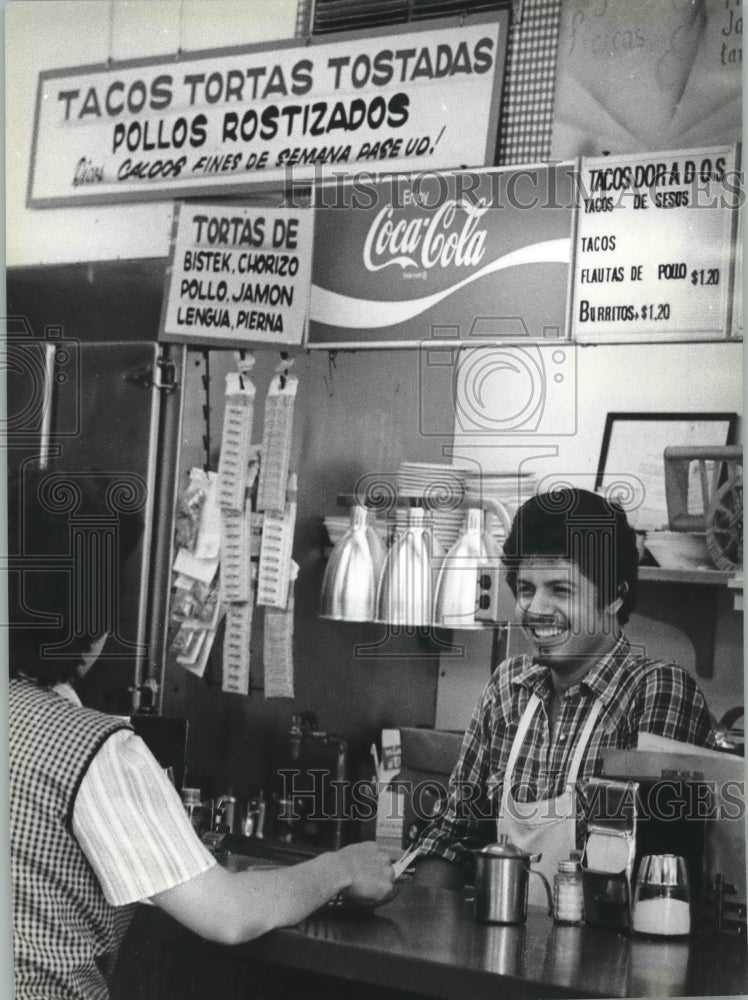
point(349, 586)
point(475, 555)
point(406, 587)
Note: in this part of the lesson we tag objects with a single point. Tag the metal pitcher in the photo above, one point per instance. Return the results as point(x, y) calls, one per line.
point(502, 873)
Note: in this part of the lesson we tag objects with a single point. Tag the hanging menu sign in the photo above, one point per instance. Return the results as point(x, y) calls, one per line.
point(269, 114)
point(653, 246)
point(238, 274)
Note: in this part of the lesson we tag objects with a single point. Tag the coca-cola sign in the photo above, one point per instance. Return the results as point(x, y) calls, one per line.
point(466, 256)
point(450, 235)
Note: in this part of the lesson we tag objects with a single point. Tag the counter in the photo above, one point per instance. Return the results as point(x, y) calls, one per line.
point(424, 943)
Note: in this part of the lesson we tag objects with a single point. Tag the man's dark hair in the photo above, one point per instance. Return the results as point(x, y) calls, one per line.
point(586, 529)
point(63, 526)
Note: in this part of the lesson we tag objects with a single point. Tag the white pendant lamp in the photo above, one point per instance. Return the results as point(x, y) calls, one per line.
point(353, 571)
point(473, 558)
point(406, 587)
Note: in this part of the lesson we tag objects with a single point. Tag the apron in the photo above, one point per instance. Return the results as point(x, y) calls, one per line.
point(547, 827)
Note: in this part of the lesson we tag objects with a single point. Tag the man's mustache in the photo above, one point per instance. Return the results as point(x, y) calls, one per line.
point(532, 620)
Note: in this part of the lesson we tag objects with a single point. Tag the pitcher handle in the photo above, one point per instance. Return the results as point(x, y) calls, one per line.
point(497, 508)
point(548, 890)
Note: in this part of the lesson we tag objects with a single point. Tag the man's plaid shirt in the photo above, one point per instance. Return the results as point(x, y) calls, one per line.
point(638, 695)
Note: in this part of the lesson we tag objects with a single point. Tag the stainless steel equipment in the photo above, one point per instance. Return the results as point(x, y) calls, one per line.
point(406, 586)
point(502, 873)
point(349, 586)
point(627, 820)
point(470, 567)
point(662, 897)
point(312, 801)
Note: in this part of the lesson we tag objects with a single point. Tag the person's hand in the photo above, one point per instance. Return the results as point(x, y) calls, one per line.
point(372, 875)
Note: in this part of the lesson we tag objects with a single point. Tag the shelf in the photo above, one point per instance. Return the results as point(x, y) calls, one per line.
point(703, 577)
point(693, 605)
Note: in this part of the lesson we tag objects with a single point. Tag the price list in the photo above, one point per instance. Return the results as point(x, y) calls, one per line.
point(653, 247)
point(238, 274)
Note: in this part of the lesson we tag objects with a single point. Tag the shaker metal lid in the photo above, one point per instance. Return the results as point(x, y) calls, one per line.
point(503, 848)
point(662, 869)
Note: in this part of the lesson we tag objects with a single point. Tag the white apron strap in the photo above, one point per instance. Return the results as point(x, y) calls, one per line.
point(519, 739)
point(584, 738)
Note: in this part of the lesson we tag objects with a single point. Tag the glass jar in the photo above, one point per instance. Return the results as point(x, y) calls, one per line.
point(254, 821)
point(224, 813)
point(568, 895)
point(662, 899)
point(261, 816)
point(196, 809)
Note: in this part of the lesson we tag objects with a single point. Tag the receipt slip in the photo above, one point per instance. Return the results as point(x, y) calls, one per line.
point(402, 864)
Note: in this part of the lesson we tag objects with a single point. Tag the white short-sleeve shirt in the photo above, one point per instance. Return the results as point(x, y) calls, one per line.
point(130, 822)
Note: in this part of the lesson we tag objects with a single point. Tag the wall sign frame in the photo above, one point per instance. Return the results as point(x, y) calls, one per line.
point(654, 248)
point(464, 258)
point(632, 465)
point(225, 120)
point(238, 274)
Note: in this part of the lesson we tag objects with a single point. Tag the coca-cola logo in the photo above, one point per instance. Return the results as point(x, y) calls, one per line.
point(445, 237)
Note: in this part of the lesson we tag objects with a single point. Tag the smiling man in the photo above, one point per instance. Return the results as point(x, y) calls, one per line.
point(544, 720)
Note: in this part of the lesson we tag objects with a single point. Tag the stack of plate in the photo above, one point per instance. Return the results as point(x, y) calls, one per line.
point(509, 488)
point(448, 526)
point(437, 487)
point(440, 489)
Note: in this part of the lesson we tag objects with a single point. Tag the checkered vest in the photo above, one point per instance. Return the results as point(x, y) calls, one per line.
point(65, 934)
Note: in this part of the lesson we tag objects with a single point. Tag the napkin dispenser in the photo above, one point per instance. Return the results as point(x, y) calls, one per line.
point(608, 865)
point(627, 820)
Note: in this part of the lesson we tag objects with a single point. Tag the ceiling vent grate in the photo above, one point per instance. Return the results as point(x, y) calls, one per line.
point(351, 15)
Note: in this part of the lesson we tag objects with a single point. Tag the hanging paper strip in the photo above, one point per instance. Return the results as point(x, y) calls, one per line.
point(236, 652)
point(236, 446)
point(275, 558)
point(276, 443)
point(278, 651)
point(235, 556)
